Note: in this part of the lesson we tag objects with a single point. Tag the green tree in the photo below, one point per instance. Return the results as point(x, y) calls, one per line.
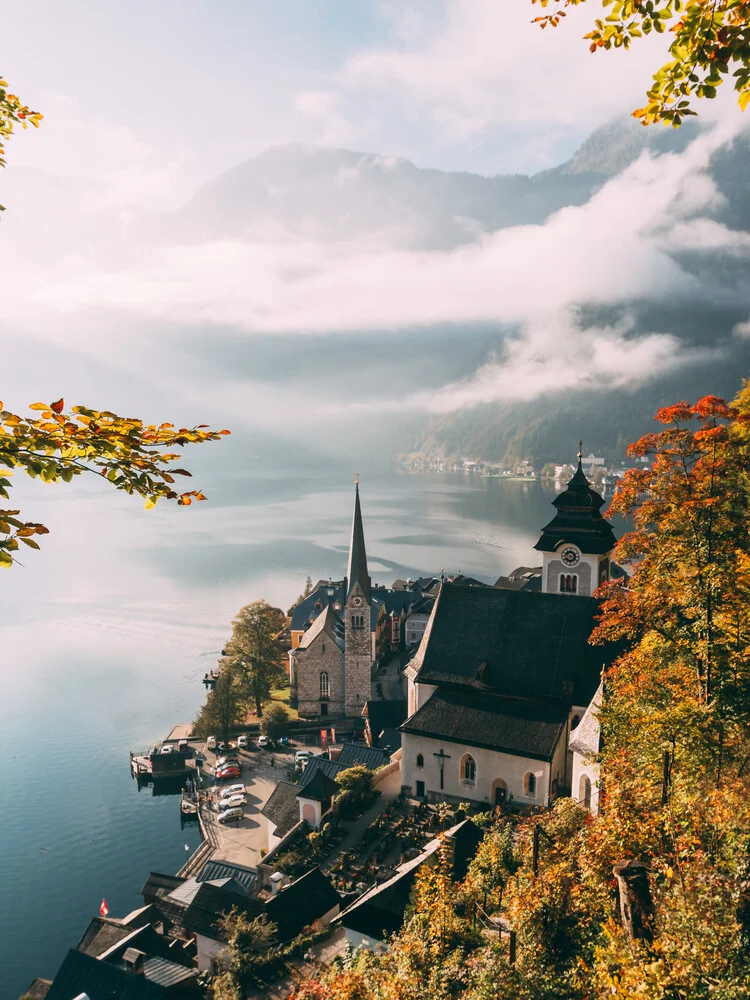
point(275, 721)
point(356, 780)
point(248, 942)
point(709, 43)
point(255, 650)
point(225, 707)
point(548, 471)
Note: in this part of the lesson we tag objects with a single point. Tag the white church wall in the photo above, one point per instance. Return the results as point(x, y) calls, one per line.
point(585, 767)
point(491, 767)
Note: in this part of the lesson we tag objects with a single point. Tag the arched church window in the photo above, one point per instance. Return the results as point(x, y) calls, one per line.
point(324, 684)
point(529, 784)
point(468, 769)
point(584, 791)
point(420, 760)
point(568, 583)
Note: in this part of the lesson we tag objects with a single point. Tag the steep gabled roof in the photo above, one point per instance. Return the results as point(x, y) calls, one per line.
point(330, 623)
point(586, 737)
point(357, 568)
point(239, 874)
point(360, 753)
point(320, 788)
point(81, 973)
point(282, 808)
point(209, 904)
point(516, 643)
point(326, 592)
point(301, 903)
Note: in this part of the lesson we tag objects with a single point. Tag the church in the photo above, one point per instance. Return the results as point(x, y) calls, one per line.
point(503, 677)
point(330, 664)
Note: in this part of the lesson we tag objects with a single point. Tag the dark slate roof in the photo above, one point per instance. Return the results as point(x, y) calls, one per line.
point(209, 903)
point(390, 740)
point(395, 600)
point(521, 578)
point(357, 568)
point(522, 728)
point(101, 934)
point(519, 644)
point(316, 764)
point(467, 581)
point(282, 808)
point(360, 753)
point(423, 606)
point(327, 621)
point(320, 788)
point(301, 903)
point(81, 973)
point(244, 877)
point(382, 715)
point(578, 519)
point(325, 593)
point(158, 884)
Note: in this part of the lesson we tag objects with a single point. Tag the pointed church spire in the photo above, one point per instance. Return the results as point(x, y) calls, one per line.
point(357, 570)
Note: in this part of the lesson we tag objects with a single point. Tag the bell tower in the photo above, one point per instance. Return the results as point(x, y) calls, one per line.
point(577, 543)
point(358, 651)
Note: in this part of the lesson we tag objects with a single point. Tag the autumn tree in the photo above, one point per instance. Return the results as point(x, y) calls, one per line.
point(255, 650)
point(709, 43)
point(13, 112)
point(225, 707)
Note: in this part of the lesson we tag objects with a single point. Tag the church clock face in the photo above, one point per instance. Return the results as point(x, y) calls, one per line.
point(357, 601)
point(570, 556)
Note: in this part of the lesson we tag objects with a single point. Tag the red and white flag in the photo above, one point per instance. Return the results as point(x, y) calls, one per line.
point(104, 909)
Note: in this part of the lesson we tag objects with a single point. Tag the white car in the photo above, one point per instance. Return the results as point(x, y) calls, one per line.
point(211, 743)
point(232, 790)
point(243, 741)
point(233, 802)
point(167, 748)
point(302, 756)
point(263, 741)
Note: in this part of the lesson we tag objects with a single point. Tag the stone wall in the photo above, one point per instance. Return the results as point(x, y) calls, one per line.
point(359, 655)
point(322, 654)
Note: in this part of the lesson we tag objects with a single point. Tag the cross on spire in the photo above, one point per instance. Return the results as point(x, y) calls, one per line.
point(580, 450)
point(356, 479)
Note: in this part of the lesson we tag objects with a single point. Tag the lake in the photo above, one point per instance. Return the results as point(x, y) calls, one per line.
point(108, 631)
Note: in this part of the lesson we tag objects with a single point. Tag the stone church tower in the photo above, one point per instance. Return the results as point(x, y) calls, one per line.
point(358, 654)
point(578, 542)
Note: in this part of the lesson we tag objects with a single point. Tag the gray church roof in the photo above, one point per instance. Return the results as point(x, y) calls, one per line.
point(586, 737)
point(282, 808)
point(509, 725)
point(325, 593)
point(516, 643)
point(578, 519)
point(357, 570)
point(327, 621)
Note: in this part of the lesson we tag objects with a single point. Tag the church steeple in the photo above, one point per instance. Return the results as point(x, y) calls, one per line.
point(577, 538)
point(357, 569)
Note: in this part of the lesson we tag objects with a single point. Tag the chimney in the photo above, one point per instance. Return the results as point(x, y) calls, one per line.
point(134, 959)
point(278, 880)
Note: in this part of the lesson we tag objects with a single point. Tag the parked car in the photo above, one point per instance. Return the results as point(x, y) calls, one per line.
point(211, 743)
point(263, 741)
point(182, 746)
point(228, 758)
point(235, 814)
point(302, 756)
point(284, 741)
point(227, 772)
point(243, 741)
point(232, 790)
point(234, 801)
point(167, 748)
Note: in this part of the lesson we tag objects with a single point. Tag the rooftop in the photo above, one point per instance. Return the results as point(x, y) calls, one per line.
point(301, 903)
point(282, 808)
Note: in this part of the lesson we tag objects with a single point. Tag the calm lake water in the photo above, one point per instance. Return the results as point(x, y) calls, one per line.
point(108, 631)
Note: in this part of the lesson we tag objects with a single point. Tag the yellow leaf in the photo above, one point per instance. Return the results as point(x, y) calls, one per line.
point(39, 406)
point(743, 99)
point(150, 503)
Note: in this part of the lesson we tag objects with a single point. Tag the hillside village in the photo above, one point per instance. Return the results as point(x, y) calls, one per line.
point(461, 701)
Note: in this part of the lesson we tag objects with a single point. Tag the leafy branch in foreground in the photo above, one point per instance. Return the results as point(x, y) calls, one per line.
point(710, 41)
point(13, 112)
point(132, 456)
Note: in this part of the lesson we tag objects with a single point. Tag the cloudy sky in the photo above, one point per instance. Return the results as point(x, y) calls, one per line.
point(121, 290)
